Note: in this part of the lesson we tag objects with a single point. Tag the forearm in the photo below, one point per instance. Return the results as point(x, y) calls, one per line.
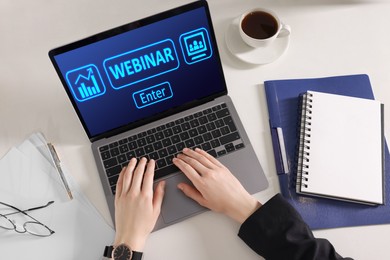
point(277, 231)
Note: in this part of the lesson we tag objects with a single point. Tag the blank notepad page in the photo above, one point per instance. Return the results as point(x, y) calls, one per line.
point(343, 148)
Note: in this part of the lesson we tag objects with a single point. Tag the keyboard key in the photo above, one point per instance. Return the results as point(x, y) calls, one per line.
point(132, 138)
point(215, 143)
point(206, 146)
point(193, 132)
point(212, 153)
point(184, 136)
point(104, 148)
point(149, 148)
point(185, 126)
point(150, 139)
point(114, 152)
point(165, 171)
point(113, 170)
point(113, 179)
point(175, 139)
point(198, 114)
point(172, 149)
point(229, 121)
point(169, 159)
point(168, 132)
point(207, 137)
point(179, 121)
point(188, 118)
point(133, 145)
point(216, 133)
point(122, 158)
point(130, 155)
point(211, 117)
point(123, 148)
point(189, 143)
point(105, 155)
point(194, 123)
point(166, 142)
point(161, 163)
point(157, 145)
point(203, 120)
point(114, 144)
point(222, 152)
point(210, 126)
point(239, 146)
point(123, 141)
point(202, 129)
point(159, 136)
point(163, 153)
point(198, 140)
point(141, 142)
point(180, 146)
point(154, 156)
point(219, 123)
point(140, 152)
point(113, 189)
point(229, 147)
point(225, 130)
point(229, 138)
point(223, 113)
point(176, 129)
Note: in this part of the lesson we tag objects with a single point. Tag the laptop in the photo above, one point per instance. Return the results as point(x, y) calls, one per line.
point(150, 88)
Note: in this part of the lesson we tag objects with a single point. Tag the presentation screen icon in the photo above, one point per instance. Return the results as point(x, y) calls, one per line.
point(196, 45)
point(85, 82)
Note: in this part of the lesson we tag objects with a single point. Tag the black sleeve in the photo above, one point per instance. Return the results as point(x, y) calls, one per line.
point(277, 231)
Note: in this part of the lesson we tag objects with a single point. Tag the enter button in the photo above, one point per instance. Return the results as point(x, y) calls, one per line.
point(152, 95)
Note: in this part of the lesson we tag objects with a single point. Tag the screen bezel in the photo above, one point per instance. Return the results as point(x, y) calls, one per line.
point(128, 27)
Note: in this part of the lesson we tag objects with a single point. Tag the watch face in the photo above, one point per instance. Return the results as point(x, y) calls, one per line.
point(122, 252)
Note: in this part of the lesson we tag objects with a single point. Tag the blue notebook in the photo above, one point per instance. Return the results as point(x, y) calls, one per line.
point(283, 101)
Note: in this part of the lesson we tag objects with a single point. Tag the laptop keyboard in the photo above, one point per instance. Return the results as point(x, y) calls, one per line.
point(212, 130)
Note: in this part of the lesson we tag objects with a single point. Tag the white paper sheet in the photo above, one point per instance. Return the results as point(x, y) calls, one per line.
point(28, 179)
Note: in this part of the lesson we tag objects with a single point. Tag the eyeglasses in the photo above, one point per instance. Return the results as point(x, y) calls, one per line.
point(35, 227)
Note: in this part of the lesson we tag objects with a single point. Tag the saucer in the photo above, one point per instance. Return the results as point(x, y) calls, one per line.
point(244, 52)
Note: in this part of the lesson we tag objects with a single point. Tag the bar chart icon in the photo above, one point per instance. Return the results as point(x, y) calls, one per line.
point(85, 82)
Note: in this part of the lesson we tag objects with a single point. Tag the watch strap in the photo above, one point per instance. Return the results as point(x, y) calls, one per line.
point(108, 253)
point(137, 255)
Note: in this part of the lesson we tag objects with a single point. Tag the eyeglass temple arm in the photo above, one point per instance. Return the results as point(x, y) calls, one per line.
point(23, 211)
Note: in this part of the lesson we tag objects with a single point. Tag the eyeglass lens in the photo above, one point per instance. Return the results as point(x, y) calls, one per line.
point(6, 223)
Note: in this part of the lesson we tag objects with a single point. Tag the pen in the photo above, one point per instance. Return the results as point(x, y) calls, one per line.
point(57, 163)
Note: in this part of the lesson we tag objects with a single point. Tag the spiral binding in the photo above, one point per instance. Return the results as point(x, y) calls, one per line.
point(303, 157)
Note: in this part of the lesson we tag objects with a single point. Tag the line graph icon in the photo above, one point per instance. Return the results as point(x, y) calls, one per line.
point(85, 82)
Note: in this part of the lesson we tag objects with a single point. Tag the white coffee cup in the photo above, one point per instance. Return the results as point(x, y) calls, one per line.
point(259, 27)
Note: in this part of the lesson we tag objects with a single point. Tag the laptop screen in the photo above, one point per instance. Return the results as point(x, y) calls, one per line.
point(143, 70)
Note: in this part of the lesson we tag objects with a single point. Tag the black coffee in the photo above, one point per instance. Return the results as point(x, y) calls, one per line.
point(259, 25)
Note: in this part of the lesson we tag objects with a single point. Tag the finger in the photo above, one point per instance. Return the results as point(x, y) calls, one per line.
point(209, 157)
point(158, 197)
point(147, 184)
point(187, 169)
point(194, 163)
point(138, 174)
point(200, 158)
point(119, 183)
point(128, 175)
point(192, 193)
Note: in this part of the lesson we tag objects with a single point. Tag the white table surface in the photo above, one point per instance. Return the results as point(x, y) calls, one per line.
point(329, 37)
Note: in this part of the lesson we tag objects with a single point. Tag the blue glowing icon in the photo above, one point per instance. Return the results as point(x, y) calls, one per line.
point(85, 82)
point(196, 45)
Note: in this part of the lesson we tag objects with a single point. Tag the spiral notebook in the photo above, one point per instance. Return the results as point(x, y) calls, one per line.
point(341, 148)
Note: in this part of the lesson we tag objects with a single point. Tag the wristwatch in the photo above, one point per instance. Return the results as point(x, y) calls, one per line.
point(121, 252)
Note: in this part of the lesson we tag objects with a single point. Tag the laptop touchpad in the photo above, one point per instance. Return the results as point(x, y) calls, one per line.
point(176, 204)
